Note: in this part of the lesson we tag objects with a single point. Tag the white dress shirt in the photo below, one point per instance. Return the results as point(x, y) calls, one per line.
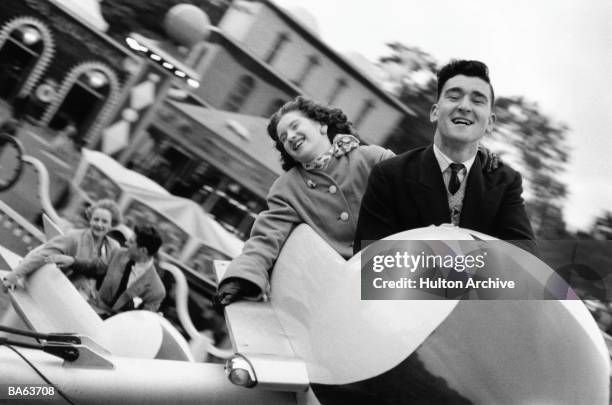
point(444, 163)
point(138, 269)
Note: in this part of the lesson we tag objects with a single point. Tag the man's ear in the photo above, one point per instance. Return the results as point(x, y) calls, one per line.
point(323, 129)
point(490, 123)
point(433, 113)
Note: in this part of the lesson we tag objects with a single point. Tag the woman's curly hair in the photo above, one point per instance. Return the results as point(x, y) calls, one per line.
point(334, 118)
point(110, 206)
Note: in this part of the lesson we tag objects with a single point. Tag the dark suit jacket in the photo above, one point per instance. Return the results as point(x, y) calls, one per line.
point(408, 192)
point(148, 287)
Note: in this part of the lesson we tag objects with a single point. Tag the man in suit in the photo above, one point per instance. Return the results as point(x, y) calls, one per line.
point(445, 182)
point(131, 277)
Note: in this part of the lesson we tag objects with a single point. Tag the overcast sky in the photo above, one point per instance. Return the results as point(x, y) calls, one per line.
point(557, 53)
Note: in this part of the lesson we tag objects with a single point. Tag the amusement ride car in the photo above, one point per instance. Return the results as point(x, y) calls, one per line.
point(314, 341)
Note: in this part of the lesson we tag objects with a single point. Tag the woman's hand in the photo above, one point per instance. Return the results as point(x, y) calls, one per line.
point(11, 281)
point(235, 289)
point(490, 160)
point(61, 261)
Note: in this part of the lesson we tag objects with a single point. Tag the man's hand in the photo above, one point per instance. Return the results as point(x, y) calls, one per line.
point(235, 289)
point(61, 261)
point(490, 161)
point(11, 281)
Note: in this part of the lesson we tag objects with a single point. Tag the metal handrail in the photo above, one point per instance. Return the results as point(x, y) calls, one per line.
point(199, 341)
point(43, 187)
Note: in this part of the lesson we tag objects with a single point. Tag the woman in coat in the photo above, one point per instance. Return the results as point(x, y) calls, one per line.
point(85, 245)
point(326, 173)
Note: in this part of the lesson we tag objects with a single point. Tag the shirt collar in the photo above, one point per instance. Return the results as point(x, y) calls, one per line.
point(139, 268)
point(444, 161)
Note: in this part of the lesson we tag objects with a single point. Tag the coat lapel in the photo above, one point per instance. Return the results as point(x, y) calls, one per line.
point(480, 201)
point(429, 192)
point(87, 244)
point(473, 214)
point(133, 290)
point(121, 301)
point(115, 272)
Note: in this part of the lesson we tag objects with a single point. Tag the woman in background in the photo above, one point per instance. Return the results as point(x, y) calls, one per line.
point(80, 245)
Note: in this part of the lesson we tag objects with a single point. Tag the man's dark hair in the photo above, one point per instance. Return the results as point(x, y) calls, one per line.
point(334, 118)
point(470, 68)
point(148, 238)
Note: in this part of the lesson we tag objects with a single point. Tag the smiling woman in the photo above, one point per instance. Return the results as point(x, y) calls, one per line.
point(91, 244)
point(326, 174)
point(303, 138)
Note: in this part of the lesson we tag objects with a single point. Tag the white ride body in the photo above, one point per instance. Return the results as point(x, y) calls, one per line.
point(316, 330)
point(503, 352)
point(136, 357)
point(121, 359)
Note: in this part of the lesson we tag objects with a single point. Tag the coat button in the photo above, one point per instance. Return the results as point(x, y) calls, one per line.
point(344, 216)
point(333, 189)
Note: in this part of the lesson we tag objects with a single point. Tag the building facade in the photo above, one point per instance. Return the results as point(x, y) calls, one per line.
point(58, 70)
point(222, 160)
point(210, 145)
point(258, 58)
point(294, 52)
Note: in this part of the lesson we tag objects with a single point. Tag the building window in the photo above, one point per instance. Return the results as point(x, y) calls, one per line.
point(241, 91)
point(311, 63)
point(281, 39)
point(338, 88)
point(274, 106)
point(188, 175)
point(237, 208)
point(18, 57)
point(368, 106)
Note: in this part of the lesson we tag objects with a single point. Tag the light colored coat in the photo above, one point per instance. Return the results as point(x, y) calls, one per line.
point(148, 287)
point(78, 243)
point(327, 200)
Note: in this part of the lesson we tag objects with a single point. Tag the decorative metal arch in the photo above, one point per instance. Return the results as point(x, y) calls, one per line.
point(71, 79)
point(47, 54)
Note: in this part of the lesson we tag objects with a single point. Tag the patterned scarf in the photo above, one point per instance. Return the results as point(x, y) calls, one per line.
point(342, 145)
